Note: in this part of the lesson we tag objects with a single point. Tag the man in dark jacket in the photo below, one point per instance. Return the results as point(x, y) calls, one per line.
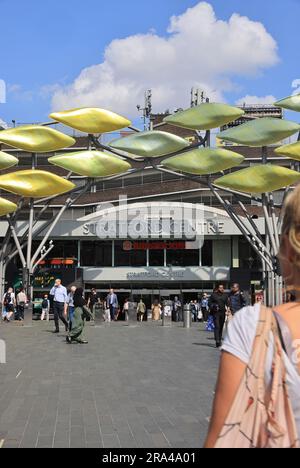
point(218, 305)
point(237, 299)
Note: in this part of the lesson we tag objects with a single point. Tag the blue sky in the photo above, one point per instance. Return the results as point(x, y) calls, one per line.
point(46, 44)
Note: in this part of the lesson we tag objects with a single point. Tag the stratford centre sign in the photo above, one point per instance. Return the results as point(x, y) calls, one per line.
point(154, 221)
point(153, 229)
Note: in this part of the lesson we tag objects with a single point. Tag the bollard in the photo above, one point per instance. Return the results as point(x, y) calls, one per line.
point(167, 314)
point(187, 316)
point(28, 315)
point(99, 315)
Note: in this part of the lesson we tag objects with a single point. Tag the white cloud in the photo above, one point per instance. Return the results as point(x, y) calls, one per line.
point(19, 93)
point(47, 91)
point(198, 50)
point(3, 124)
point(256, 100)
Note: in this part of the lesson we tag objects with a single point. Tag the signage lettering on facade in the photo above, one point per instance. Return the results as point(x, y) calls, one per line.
point(160, 245)
point(104, 230)
point(149, 275)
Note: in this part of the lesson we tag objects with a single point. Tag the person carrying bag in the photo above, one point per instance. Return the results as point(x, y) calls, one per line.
point(262, 417)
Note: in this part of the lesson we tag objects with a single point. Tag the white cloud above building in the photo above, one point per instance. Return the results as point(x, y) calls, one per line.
point(197, 50)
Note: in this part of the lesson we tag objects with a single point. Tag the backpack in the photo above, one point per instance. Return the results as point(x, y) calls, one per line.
point(7, 299)
point(214, 308)
point(45, 304)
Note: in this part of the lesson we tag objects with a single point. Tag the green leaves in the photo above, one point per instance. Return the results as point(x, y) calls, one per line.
point(7, 207)
point(91, 120)
point(259, 179)
point(7, 160)
point(204, 161)
point(291, 151)
point(291, 103)
point(36, 139)
point(150, 144)
point(205, 117)
point(91, 163)
point(35, 184)
point(260, 132)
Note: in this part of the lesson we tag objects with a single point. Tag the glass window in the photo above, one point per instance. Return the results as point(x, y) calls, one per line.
point(111, 184)
point(183, 257)
point(96, 253)
point(207, 253)
point(247, 255)
point(133, 258)
point(64, 249)
point(156, 258)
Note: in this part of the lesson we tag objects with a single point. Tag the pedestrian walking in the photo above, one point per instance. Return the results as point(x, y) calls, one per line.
point(236, 299)
point(257, 401)
point(156, 311)
point(21, 302)
point(81, 313)
point(218, 305)
point(8, 305)
point(112, 304)
point(93, 301)
point(45, 308)
point(204, 307)
point(71, 308)
point(125, 311)
point(177, 310)
point(141, 310)
point(60, 301)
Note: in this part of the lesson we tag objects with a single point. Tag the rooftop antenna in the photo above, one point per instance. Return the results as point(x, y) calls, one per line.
point(195, 93)
point(147, 109)
point(198, 97)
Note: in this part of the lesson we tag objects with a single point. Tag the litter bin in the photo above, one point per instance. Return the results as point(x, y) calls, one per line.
point(187, 316)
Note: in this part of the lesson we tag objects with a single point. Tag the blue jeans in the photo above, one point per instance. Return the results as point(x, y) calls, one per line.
point(113, 310)
point(71, 311)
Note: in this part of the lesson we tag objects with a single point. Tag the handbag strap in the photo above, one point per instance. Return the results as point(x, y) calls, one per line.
point(280, 335)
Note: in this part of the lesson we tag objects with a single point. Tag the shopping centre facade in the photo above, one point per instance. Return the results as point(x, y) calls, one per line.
point(155, 262)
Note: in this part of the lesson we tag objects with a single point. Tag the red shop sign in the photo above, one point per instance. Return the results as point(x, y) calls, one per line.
point(156, 245)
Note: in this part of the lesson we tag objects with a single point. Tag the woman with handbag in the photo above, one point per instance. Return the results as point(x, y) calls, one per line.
point(81, 313)
point(257, 402)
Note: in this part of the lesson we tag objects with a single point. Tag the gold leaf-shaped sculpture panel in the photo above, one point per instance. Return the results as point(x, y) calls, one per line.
point(259, 179)
point(290, 103)
point(35, 184)
point(91, 120)
point(91, 163)
point(36, 139)
point(150, 144)
point(291, 151)
point(7, 160)
point(7, 207)
point(204, 161)
point(205, 117)
point(260, 132)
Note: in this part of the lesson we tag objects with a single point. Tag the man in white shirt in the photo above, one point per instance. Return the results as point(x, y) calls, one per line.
point(60, 304)
point(21, 302)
